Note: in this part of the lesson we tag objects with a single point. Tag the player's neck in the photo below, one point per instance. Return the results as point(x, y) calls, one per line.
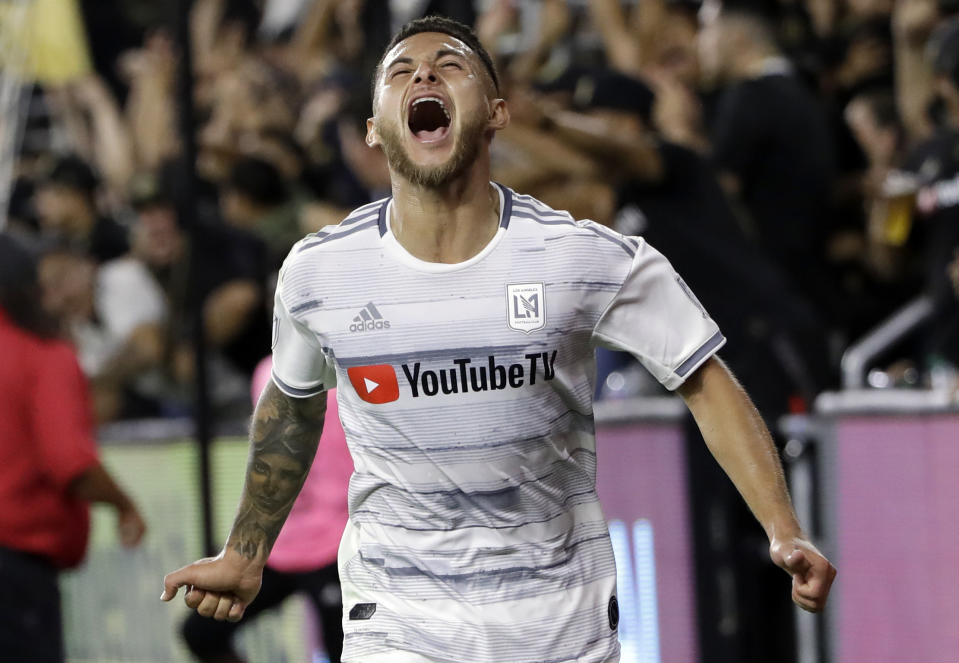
point(449, 224)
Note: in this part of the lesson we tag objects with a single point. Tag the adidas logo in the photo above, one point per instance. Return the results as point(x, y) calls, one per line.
point(369, 319)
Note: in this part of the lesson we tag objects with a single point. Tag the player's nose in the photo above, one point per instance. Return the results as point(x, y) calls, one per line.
point(424, 74)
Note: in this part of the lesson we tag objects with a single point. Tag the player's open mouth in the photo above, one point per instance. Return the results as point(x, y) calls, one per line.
point(429, 121)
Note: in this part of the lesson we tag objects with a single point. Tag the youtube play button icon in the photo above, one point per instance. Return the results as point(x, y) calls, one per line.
point(375, 384)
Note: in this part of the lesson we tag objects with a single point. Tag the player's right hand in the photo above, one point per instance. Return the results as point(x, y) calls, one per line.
point(220, 587)
point(811, 572)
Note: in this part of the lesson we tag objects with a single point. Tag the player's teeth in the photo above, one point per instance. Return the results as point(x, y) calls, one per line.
point(437, 100)
point(446, 113)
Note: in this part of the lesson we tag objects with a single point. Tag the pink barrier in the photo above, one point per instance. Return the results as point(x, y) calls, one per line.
point(642, 475)
point(898, 539)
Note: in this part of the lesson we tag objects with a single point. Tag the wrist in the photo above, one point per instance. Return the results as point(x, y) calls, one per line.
point(123, 504)
point(240, 560)
point(784, 530)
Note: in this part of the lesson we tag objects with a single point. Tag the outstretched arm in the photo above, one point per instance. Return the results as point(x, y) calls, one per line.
point(740, 442)
point(283, 440)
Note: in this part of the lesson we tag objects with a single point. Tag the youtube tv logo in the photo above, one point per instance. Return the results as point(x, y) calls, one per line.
point(375, 384)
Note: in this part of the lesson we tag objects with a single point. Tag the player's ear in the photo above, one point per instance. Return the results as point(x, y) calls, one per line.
point(499, 114)
point(372, 137)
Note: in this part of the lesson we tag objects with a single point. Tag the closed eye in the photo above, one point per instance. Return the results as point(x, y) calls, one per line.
point(399, 72)
point(452, 64)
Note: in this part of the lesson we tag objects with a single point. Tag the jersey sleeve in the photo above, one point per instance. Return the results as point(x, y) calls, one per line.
point(655, 317)
point(300, 368)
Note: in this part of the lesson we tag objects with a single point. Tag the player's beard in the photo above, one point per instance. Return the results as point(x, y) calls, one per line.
point(466, 147)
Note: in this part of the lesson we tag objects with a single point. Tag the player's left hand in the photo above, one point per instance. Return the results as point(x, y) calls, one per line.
point(811, 572)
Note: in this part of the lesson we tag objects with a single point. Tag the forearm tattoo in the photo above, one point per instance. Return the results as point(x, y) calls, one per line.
point(283, 440)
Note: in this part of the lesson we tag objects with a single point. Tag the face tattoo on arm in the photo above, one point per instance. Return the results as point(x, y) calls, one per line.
point(284, 436)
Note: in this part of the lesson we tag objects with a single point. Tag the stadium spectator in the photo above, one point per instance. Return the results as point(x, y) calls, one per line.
point(304, 557)
point(655, 39)
point(49, 469)
point(114, 315)
point(870, 256)
point(248, 99)
point(771, 145)
point(657, 42)
point(934, 163)
point(279, 148)
point(256, 199)
point(66, 207)
point(231, 279)
point(866, 58)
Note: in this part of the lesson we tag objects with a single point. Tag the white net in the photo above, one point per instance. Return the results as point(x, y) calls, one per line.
point(14, 93)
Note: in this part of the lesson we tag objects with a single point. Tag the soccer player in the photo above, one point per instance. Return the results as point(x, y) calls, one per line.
point(457, 319)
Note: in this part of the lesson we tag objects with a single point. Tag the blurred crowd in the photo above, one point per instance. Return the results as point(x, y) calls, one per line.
point(796, 160)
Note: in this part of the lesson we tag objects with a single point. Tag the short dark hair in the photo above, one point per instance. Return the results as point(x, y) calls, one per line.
point(259, 180)
point(445, 26)
point(609, 89)
point(151, 189)
point(20, 291)
point(73, 172)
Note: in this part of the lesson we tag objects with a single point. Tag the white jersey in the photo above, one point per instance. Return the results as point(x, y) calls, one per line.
point(465, 390)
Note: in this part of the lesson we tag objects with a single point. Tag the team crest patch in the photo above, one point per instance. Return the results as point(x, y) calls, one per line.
point(526, 306)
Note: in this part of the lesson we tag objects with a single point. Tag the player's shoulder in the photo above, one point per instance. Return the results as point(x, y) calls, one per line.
point(359, 227)
point(561, 229)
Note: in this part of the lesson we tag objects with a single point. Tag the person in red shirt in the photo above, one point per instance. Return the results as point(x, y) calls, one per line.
point(49, 468)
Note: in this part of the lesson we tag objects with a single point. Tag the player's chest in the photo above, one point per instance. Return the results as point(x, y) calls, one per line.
point(516, 296)
point(512, 309)
point(452, 337)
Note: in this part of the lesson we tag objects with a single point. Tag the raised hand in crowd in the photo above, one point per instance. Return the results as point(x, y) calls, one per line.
point(912, 23)
point(554, 23)
point(150, 109)
point(498, 18)
point(677, 112)
point(111, 146)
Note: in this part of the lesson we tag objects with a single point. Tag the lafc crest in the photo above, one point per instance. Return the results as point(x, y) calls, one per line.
point(526, 306)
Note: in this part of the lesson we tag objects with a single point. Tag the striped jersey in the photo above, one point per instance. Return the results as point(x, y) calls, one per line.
point(465, 390)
